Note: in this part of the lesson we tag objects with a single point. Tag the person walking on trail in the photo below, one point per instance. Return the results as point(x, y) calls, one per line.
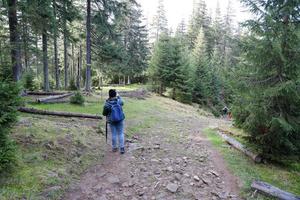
point(115, 118)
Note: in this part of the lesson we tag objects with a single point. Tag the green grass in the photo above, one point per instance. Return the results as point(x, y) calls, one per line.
point(32, 174)
point(29, 178)
point(285, 178)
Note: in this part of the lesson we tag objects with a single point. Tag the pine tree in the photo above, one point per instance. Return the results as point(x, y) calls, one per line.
point(269, 103)
point(198, 20)
point(200, 73)
point(160, 23)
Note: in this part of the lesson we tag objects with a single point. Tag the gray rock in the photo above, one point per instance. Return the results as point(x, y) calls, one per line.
point(170, 169)
point(102, 198)
point(113, 180)
point(177, 176)
point(196, 178)
point(172, 187)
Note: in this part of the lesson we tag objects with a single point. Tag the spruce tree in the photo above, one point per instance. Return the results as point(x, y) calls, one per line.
point(269, 103)
point(160, 23)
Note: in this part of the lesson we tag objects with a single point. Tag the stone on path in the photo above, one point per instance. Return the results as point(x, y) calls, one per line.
point(196, 178)
point(172, 187)
point(113, 180)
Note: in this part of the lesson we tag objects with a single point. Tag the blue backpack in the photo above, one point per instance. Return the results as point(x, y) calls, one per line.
point(117, 113)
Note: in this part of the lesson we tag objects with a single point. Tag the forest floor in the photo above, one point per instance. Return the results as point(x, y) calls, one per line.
point(171, 154)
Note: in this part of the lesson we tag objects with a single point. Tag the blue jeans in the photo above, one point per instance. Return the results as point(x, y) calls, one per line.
point(117, 132)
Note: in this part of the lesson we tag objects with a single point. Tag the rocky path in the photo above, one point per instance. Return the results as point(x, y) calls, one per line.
point(169, 160)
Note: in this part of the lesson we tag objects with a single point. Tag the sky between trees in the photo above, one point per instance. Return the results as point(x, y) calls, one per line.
point(176, 10)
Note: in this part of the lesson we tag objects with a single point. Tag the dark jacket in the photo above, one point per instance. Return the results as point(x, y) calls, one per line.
point(107, 107)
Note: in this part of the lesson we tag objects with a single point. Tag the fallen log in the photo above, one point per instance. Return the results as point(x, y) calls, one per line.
point(57, 113)
point(272, 191)
point(44, 93)
point(233, 142)
point(51, 98)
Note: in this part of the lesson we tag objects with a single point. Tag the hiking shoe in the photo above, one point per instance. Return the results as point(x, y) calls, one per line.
point(122, 150)
point(114, 149)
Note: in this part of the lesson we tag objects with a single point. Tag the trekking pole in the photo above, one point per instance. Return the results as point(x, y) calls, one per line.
point(106, 131)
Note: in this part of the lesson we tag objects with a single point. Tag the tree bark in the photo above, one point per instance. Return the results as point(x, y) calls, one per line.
point(255, 157)
point(65, 47)
point(14, 40)
point(272, 191)
point(88, 47)
point(57, 82)
point(79, 67)
point(56, 113)
point(55, 97)
point(45, 60)
point(44, 93)
point(128, 82)
point(25, 43)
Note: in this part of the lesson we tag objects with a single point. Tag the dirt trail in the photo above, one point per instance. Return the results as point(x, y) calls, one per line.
point(169, 160)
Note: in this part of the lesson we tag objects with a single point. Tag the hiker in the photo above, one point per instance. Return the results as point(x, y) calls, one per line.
point(115, 117)
point(227, 113)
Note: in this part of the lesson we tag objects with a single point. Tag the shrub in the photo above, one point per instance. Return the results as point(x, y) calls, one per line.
point(9, 101)
point(29, 81)
point(72, 84)
point(77, 99)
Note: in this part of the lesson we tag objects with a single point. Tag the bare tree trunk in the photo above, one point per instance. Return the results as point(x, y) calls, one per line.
point(25, 43)
point(57, 83)
point(14, 40)
point(65, 49)
point(128, 82)
point(73, 62)
point(88, 47)
point(45, 60)
point(37, 55)
point(79, 68)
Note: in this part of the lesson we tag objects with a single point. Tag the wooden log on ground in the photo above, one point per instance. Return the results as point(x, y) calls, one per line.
point(44, 93)
point(51, 98)
point(233, 142)
point(57, 113)
point(272, 191)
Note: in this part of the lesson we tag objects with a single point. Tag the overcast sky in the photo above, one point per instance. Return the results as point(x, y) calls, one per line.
point(176, 10)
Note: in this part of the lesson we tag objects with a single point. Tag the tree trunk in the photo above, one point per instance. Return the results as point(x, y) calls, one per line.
point(57, 83)
point(73, 63)
point(14, 40)
point(272, 191)
point(25, 42)
point(55, 97)
point(45, 60)
point(255, 157)
point(79, 68)
point(37, 55)
point(88, 47)
point(65, 47)
point(66, 61)
point(128, 82)
point(56, 113)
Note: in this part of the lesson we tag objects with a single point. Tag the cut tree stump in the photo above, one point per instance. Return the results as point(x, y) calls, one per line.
point(272, 191)
point(56, 113)
point(44, 93)
point(52, 98)
point(233, 142)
